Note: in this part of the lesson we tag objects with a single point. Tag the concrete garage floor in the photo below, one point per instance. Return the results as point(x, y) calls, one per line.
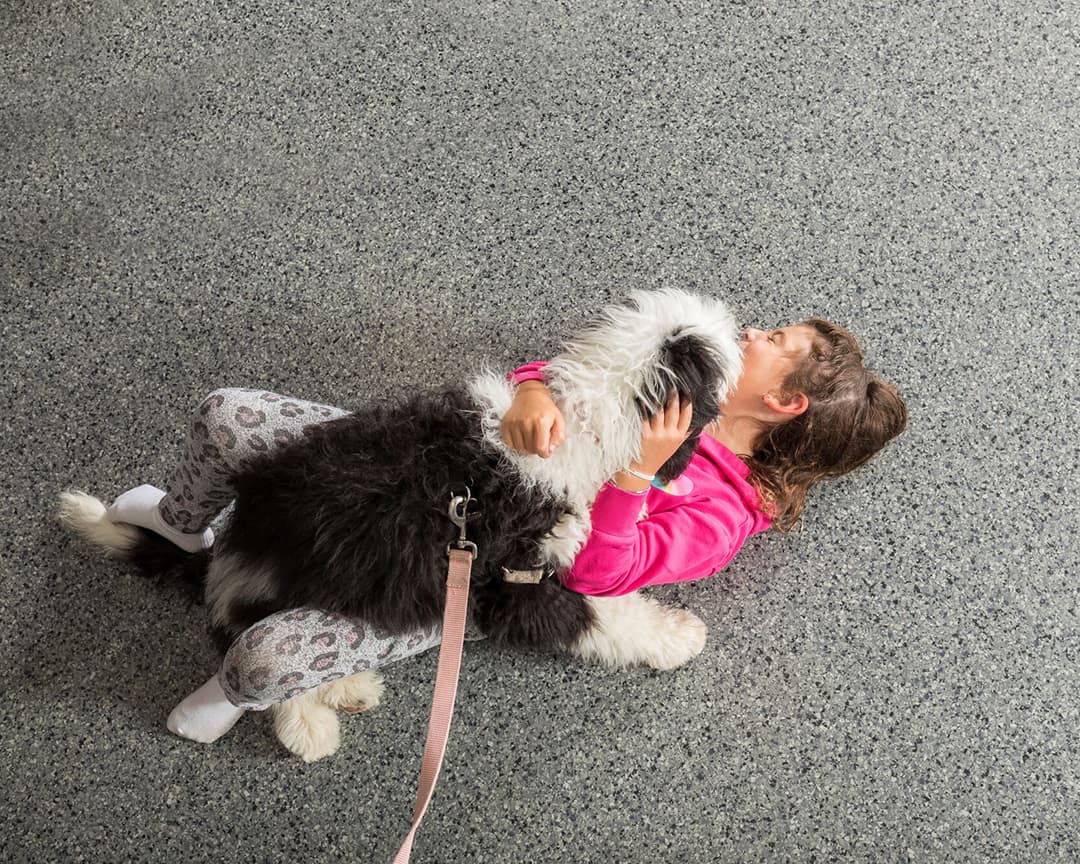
point(346, 201)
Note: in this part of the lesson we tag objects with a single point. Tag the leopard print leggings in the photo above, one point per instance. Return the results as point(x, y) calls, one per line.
point(289, 652)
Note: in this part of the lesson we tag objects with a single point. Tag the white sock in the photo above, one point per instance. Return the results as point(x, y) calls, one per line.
point(139, 506)
point(205, 715)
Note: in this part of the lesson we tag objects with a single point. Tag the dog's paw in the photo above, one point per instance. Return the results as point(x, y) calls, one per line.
point(678, 637)
point(634, 629)
point(307, 728)
point(353, 694)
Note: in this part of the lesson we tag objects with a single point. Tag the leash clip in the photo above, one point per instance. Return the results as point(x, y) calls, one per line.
point(459, 515)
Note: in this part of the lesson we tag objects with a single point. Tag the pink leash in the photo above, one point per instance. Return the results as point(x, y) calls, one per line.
point(461, 553)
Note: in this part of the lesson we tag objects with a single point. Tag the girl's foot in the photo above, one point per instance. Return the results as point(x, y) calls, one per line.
point(139, 506)
point(205, 715)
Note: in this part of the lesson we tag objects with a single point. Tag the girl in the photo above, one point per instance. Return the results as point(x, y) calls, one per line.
point(805, 408)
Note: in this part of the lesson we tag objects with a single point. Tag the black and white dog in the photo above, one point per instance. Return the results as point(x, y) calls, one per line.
point(352, 518)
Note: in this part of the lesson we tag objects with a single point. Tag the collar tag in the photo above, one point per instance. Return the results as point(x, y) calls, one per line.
point(523, 577)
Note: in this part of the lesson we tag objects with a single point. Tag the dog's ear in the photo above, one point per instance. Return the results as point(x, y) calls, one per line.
point(687, 365)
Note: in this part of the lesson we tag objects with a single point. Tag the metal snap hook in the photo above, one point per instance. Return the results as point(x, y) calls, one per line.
point(459, 515)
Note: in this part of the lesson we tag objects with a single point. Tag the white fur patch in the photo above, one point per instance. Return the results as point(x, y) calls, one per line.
point(84, 515)
point(566, 538)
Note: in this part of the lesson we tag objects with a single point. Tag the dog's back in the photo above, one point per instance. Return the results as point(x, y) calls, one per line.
point(353, 518)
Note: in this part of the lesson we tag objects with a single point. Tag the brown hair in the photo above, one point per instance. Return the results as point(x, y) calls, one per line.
point(852, 414)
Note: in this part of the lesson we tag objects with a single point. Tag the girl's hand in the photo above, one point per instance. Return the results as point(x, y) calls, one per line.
point(533, 424)
point(663, 434)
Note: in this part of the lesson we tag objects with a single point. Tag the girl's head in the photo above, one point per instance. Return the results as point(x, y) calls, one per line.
point(820, 411)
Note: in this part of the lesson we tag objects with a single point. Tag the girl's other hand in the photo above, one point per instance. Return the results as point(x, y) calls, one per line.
point(663, 434)
point(533, 424)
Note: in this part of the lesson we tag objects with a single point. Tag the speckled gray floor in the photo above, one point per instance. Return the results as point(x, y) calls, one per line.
point(341, 200)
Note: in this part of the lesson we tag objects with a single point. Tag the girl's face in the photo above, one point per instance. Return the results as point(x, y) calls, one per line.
point(768, 357)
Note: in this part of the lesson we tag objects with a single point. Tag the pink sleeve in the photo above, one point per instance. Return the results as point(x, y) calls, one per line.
point(687, 542)
point(529, 372)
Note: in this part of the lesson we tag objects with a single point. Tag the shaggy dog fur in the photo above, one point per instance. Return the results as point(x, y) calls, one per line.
point(353, 518)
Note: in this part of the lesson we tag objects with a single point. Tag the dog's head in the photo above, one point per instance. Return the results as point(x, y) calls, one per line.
point(624, 366)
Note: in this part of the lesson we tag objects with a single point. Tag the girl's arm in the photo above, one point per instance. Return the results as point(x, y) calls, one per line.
point(690, 541)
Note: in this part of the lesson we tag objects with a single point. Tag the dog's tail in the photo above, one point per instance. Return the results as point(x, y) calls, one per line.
point(152, 555)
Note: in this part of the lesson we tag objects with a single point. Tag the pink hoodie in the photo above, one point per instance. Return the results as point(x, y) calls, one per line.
point(687, 530)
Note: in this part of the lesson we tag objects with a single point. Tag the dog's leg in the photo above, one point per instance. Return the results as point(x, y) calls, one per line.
point(353, 693)
point(237, 595)
point(635, 629)
point(564, 540)
point(307, 727)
